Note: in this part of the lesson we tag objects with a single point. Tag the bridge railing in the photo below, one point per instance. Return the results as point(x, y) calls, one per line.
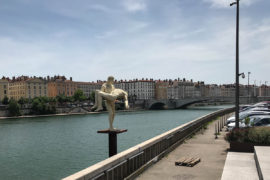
point(130, 162)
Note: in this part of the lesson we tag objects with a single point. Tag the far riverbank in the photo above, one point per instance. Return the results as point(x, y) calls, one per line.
point(84, 111)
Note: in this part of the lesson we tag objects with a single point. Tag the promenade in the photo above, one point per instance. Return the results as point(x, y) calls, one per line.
point(212, 152)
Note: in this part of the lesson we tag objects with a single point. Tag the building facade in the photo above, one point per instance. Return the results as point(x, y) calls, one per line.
point(138, 89)
point(161, 90)
point(25, 87)
point(59, 85)
point(3, 88)
point(88, 87)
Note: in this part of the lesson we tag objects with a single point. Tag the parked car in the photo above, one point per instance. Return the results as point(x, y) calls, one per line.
point(264, 108)
point(261, 121)
point(244, 115)
point(257, 120)
point(263, 103)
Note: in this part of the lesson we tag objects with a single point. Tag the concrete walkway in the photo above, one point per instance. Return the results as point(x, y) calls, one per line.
point(212, 152)
point(240, 166)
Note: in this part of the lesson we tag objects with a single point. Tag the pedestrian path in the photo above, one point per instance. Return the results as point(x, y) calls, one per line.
point(211, 151)
point(240, 166)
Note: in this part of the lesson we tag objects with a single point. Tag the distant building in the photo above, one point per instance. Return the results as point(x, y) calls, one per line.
point(173, 90)
point(3, 88)
point(27, 87)
point(59, 85)
point(88, 87)
point(212, 90)
point(161, 90)
point(264, 91)
point(227, 90)
point(139, 89)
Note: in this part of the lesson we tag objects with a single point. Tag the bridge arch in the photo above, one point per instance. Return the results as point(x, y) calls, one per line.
point(183, 105)
point(158, 106)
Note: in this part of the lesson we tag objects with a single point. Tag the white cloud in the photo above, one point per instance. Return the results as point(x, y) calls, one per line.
point(134, 5)
point(166, 44)
point(226, 3)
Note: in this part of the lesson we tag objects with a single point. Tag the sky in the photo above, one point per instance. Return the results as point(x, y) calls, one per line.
point(160, 39)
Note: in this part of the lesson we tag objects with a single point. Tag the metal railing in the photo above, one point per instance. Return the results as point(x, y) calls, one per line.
point(129, 163)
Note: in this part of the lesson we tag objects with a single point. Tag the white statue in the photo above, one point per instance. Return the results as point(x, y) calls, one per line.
point(110, 94)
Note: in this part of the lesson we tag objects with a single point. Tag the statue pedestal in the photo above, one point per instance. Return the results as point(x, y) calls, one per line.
point(112, 134)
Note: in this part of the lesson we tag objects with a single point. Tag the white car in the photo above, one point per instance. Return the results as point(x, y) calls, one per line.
point(244, 115)
point(257, 120)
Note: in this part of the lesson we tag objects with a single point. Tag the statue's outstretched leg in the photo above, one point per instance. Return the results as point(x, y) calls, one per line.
point(111, 109)
point(107, 96)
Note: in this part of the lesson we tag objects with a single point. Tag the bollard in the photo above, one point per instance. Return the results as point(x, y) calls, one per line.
point(218, 127)
point(222, 122)
point(216, 131)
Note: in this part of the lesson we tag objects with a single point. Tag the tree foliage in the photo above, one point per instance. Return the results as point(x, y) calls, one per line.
point(79, 96)
point(92, 96)
point(13, 108)
point(41, 105)
point(5, 100)
point(22, 101)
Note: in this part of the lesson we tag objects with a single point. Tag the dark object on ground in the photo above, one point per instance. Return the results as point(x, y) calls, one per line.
point(187, 161)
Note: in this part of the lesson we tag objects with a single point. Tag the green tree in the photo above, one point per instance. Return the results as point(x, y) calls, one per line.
point(92, 96)
point(22, 101)
point(14, 108)
point(41, 106)
point(61, 98)
point(79, 96)
point(5, 100)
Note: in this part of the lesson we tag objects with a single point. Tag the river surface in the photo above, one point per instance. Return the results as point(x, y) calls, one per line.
point(55, 147)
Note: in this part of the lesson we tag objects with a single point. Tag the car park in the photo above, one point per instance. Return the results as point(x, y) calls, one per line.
point(256, 120)
point(244, 115)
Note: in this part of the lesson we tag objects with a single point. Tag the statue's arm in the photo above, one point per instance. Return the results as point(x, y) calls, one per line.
point(103, 87)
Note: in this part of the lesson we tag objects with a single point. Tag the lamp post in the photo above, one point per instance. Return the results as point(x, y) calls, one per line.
point(248, 86)
point(237, 66)
point(265, 88)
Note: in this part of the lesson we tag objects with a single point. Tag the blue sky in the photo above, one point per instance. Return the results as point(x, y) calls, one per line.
point(91, 39)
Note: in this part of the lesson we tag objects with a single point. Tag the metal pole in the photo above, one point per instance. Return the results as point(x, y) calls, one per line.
point(112, 144)
point(248, 88)
point(237, 68)
point(112, 134)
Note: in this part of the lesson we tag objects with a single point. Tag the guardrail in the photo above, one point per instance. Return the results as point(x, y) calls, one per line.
point(129, 163)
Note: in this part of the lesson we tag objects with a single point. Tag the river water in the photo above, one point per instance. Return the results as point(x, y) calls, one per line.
point(55, 147)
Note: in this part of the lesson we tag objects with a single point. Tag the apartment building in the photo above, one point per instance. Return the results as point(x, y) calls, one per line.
point(3, 88)
point(59, 85)
point(161, 90)
point(27, 87)
point(141, 89)
point(89, 87)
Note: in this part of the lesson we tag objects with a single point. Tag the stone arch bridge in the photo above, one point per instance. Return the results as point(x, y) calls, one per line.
point(182, 103)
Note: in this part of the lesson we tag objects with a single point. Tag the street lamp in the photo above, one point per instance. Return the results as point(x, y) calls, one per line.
point(248, 85)
point(237, 66)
